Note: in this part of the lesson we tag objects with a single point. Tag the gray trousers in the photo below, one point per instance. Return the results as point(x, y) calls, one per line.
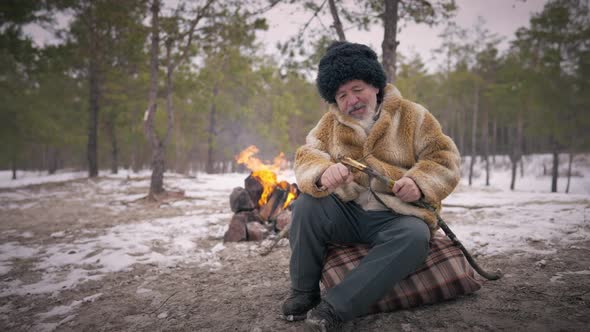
point(399, 245)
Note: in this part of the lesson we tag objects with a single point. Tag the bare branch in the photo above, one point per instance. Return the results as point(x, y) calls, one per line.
point(337, 23)
point(201, 13)
point(315, 14)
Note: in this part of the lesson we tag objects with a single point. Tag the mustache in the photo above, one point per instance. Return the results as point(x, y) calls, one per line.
point(356, 107)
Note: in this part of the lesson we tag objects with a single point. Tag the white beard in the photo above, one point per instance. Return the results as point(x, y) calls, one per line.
point(368, 122)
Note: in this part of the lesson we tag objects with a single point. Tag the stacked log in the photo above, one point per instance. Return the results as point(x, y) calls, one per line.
point(252, 222)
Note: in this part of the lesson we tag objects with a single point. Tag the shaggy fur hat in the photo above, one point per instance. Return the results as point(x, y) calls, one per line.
point(345, 62)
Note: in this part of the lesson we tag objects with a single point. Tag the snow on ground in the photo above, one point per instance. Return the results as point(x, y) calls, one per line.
point(537, 173)
point(494, 223)
point(489, 221)
point(72, 259)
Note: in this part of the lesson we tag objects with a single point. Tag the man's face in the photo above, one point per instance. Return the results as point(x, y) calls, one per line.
point(357, 99)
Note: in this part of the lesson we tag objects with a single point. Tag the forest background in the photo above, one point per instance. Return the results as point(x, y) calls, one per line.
point(184, 86)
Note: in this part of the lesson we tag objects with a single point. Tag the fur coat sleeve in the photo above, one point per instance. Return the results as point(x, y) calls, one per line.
point(313, 158)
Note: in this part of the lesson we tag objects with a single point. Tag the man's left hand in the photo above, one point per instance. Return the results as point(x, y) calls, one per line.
point(407, 190)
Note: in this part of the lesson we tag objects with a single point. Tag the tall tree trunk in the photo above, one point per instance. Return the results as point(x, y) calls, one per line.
point(474, 132)
point(485, 139)
point(114, 146)
point(516, 153)
point(494, 140)
point(94, 93)
point(514, 163)
point(389, 45)
point(569, 172)
point(210, 169)
point(336, 18)
point(13, 166)
point(158, 164)
point(555, 170)
point(169, 91)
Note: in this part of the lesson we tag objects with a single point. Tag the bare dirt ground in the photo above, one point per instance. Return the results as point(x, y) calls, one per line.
point(245, 291)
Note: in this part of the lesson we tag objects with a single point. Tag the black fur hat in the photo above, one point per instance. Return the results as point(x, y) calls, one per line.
point(345, 62)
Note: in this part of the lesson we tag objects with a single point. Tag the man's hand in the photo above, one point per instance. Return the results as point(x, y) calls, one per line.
point(407, 190)
point(335, 175)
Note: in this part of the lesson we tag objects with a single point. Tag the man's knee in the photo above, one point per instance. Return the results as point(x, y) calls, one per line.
point(417, 234)
point(410, 230)
point(416, 230)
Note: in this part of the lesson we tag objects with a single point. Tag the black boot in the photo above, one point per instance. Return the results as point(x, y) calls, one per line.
point(323, 318)
point(298, 304)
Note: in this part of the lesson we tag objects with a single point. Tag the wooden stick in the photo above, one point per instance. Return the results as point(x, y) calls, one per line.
point(283, 233)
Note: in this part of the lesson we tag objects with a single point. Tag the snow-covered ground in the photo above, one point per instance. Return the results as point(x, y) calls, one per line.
point(537, 173)
point(489, 220)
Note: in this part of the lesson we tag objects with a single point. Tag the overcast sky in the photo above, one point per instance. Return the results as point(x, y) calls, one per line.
point(502, 17)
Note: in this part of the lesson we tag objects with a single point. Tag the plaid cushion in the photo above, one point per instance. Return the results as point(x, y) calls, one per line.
point(444, 275)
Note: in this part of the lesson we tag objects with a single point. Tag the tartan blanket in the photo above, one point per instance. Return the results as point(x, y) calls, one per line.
point(444, 275)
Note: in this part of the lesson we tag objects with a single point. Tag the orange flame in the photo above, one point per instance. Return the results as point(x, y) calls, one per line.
point(265, 173)
point(247, 158)
point(292, 192)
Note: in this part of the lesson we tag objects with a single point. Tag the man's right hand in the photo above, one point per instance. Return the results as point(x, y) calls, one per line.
point(335, 175)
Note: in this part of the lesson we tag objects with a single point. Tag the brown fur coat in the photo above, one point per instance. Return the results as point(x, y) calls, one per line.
point(406, 140)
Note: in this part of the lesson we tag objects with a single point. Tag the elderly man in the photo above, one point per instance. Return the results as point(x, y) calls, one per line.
point(369, 120)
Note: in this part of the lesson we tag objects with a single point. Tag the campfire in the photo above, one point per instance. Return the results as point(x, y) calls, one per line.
point(262, 206)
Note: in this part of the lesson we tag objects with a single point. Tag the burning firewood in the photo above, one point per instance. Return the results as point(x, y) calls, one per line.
point(262, 194)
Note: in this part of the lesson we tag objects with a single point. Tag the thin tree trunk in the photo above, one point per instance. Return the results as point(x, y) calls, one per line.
point(337, 23)
point(179, 165)
point(474, 132)
point(494, 140)
point(485, 137)
point(389, 45)
point(516, 154)
point(514, 163)
point(158, 165)
point(555, 171)
point(92, 148)
point(569, 172)
point(158, 169)
point(522, 166)
point(210, 169)
point(114, 146)
point(169, 92)
point(13, 166)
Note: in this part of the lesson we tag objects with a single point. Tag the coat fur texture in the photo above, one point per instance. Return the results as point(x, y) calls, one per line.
point(406, 140)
